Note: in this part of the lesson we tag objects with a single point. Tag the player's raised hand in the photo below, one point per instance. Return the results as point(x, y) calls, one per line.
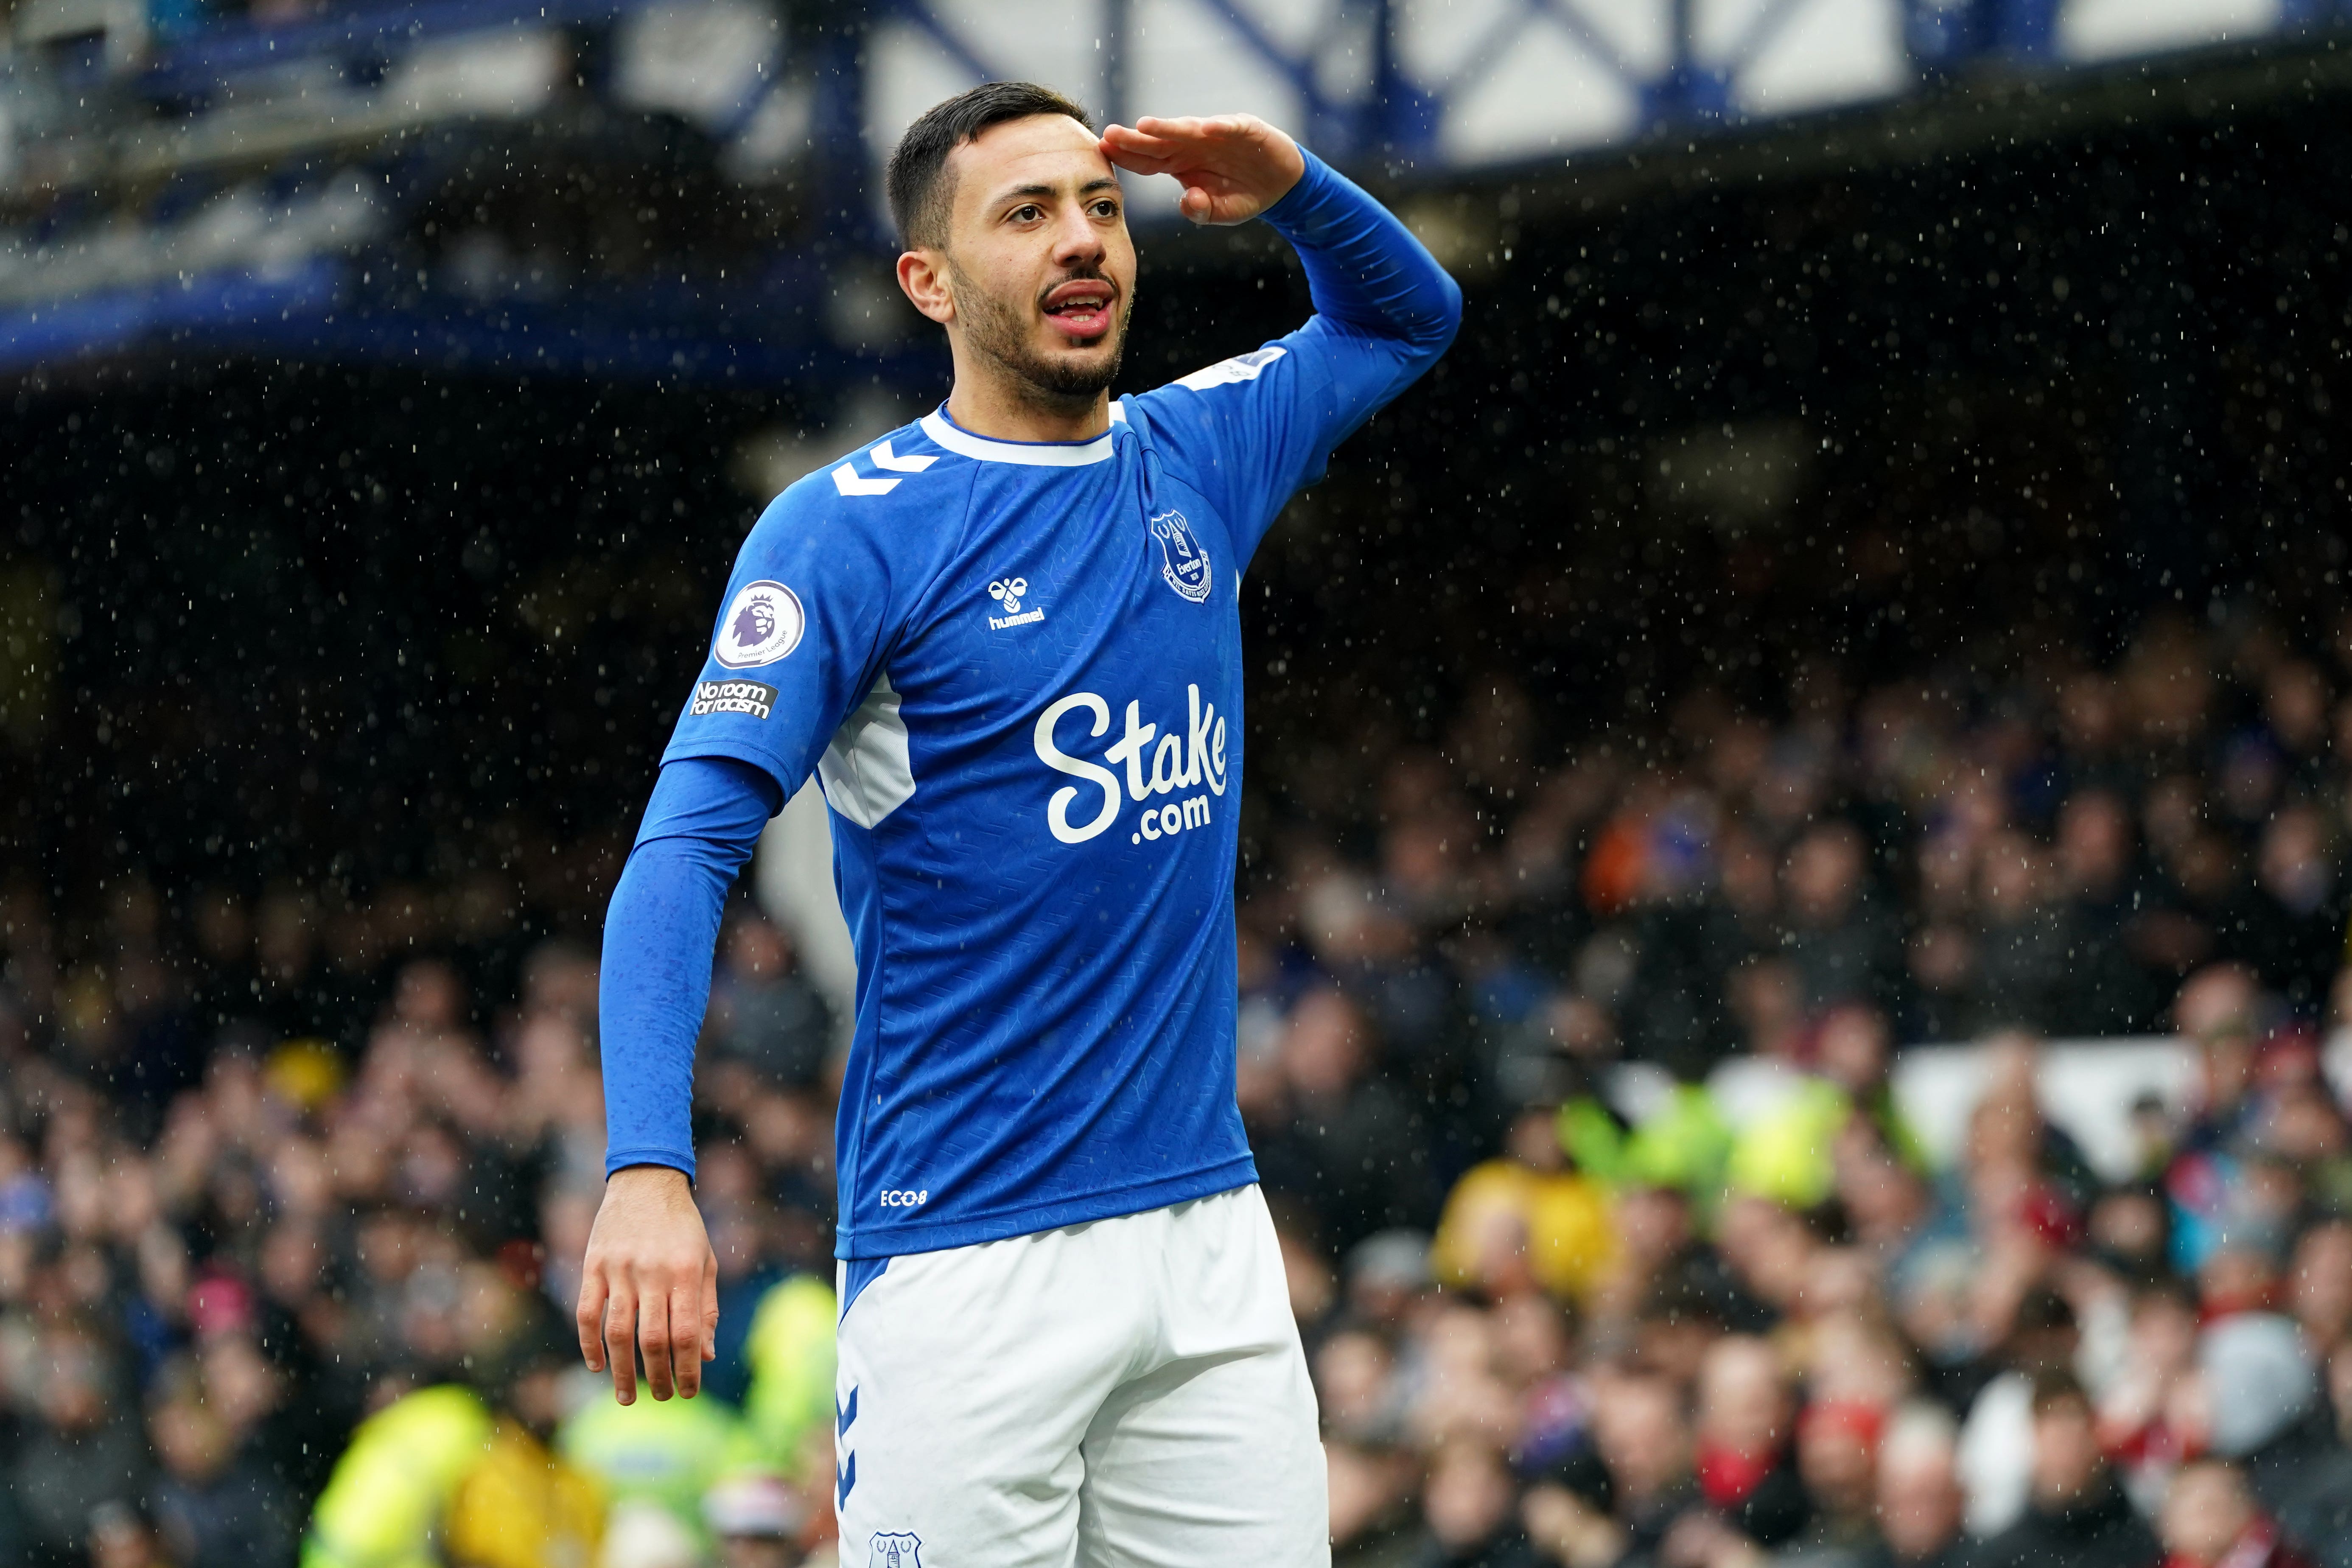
point(650, 1283)
point(1232, 166)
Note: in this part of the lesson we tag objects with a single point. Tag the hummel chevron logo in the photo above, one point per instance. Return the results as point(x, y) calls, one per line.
point(844, 1415)
point(886, 458)
point(850, 482)
point(845, 1482)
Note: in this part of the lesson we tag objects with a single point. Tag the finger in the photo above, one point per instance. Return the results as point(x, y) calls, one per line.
point(685, 1341)
point(1178, 127)
point(710, 1308)
point(1145, 154)
point(1196, 204)
point(1138, 141)
point(621, 1341)
point(589, 1316)
point(653, 1342)
point(1177, 139)
point(1198, 129)
point(1140, 163)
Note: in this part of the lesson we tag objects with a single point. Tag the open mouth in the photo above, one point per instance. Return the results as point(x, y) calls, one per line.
point(1081, 306)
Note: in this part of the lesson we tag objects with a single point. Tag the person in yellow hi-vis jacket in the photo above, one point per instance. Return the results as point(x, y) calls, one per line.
point(790, 1352)
point(671, 1453)
point(445, 1479)
point(664, 1453)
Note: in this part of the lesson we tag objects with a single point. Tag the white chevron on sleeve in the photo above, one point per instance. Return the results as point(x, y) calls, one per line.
point(886, 458)
point(850, 482)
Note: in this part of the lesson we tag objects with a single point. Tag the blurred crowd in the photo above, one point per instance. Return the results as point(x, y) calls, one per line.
point(1742, 1316)
point(1715, 1340)
point(294, 1179)
point(2030, 841)
point(292, 1200)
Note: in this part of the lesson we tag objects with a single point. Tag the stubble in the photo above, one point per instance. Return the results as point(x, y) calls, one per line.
point(998, 328)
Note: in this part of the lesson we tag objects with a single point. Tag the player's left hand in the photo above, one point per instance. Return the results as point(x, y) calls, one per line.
point(1232, 166)
point(649, 1285)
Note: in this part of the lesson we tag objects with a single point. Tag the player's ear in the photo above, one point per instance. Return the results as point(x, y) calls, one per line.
point(925, 282)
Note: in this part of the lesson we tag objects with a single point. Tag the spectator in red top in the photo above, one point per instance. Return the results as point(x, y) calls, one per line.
point(1745, 1460)
point(1837, 1457)
point(2211, 1521)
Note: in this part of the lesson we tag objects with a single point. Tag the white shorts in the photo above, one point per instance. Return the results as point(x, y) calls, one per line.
point(1126, 1394)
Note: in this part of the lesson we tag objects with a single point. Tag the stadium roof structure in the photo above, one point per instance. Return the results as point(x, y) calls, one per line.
point(683, 190)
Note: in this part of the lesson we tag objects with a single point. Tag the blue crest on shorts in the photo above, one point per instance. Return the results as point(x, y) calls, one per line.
point(1182, 560)
point(897, 1551)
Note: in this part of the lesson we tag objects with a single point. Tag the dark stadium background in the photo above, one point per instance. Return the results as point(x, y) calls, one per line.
point(1930, 385)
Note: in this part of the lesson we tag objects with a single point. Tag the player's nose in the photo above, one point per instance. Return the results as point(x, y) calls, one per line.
point(1077, 239)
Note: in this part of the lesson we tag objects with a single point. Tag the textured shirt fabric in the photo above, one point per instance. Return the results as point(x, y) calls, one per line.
point(1016, 670)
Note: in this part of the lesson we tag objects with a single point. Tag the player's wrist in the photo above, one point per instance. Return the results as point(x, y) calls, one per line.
point(649, 1178)
point(1299, 195)
point(1290, 164)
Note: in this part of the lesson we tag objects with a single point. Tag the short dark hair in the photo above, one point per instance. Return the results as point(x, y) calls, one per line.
point(918, 195)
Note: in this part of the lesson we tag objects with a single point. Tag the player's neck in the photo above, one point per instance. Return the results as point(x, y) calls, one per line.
point(1004, 408)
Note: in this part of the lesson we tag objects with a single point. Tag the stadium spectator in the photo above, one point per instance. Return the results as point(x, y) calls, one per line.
point(1842, 945)
point(2261, 1407)
point(1471, 1511)
point(2211, 1518)
point(1746, 1449)
point(757, 1520)
point(1524, 1220)
point(1352, 1142)
point(763, 1012)
point(2103, 893)
point(84, 1454)
point(2076, 1513)
point(121, 1535)
point(1837, 1460)
point(217, 1504)
point(1918, 1496)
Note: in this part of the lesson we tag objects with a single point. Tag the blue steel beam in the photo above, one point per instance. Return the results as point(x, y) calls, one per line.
point(217, 56)
point(936, 27)
point(1956, 34)
point(1407, 118)
point(837, 132)
point(316, 313)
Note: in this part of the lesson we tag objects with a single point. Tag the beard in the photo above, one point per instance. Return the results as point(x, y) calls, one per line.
point(998, 327)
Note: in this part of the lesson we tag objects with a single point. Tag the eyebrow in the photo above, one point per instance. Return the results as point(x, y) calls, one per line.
point(1099, 183)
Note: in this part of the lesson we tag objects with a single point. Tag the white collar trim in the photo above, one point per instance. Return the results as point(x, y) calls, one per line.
point(1033, 454)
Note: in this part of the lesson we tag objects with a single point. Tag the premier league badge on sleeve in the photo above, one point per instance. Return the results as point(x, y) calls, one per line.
point(763, 624)
point(897, 1551)
point(1182, 560)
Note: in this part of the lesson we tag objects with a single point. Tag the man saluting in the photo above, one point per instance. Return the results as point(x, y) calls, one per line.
point(1007, 639)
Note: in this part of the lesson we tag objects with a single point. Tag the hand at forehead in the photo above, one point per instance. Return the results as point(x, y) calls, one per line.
point(1232, 166)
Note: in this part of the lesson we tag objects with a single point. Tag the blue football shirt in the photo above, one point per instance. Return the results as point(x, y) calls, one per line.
point(1016, 670)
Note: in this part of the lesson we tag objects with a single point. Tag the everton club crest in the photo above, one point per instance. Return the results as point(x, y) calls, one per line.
point(1182, 560)
point(898, 1550)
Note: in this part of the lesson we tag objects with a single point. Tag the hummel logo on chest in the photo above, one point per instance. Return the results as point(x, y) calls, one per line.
point(1007, 591)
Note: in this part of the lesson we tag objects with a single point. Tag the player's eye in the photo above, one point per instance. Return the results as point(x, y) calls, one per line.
point(1106, 209)
point(1027, 212)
